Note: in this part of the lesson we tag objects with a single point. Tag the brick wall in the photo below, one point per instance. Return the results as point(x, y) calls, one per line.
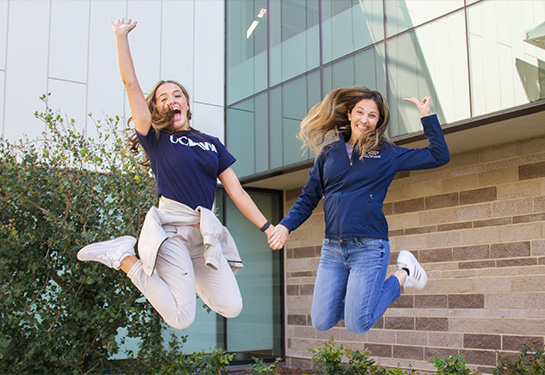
point(478, 227)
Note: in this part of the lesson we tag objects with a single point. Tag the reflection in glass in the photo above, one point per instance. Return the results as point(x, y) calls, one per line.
point(350, 25)
point(402, 15)
point(294, 38)
point(430, 60)
point(240, 137)
point(275, 118)
point(246, 38)
point(366, 68)
point(247, 135)
point(505, 71)
point(295, 106)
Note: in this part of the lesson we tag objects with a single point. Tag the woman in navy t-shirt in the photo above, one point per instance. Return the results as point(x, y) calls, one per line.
point(182, 232)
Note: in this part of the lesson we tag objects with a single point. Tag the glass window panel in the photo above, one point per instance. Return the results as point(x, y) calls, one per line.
point(504, 69)
point(327, 79)
point(370, 68)
point(366, 68)
point(343, 72)
point(292, 145)
point(261, 121)
point(402, 15)
point(277, 147)
point(314, 92)
point(314, 96)
point(294, 99)
point(431, 60)
point(257, 330)
point(294, 38)
point(294, 109)
point(240, 139)
point(246, 39)
point(349, 25)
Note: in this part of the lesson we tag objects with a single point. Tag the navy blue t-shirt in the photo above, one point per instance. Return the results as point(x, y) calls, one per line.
point(186, 165)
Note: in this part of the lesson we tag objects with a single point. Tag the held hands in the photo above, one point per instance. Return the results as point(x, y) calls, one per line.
point(277, 237)
point(122, 27)
point(423, 106)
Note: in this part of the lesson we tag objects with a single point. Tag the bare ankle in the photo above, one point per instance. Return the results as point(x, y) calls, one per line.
point(127, 263)
point(401, 275)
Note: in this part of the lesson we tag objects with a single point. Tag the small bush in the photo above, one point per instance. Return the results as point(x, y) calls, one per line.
point(453, 365)
point(329, 358)
point(530, 362)
point(330, 361)
point(261, 368)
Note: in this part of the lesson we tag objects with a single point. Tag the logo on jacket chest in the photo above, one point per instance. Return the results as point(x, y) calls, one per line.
point(372, 155)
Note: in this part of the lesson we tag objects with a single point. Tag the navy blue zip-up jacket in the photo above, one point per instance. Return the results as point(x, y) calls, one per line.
point(354, 190)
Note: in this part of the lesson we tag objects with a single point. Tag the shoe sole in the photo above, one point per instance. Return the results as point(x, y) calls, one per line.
point(116, 242)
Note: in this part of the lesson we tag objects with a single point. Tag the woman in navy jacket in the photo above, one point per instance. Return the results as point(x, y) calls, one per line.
point(352, 174)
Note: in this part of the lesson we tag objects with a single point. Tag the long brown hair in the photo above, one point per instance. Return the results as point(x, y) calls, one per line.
point(162, 119)
point(329, 116)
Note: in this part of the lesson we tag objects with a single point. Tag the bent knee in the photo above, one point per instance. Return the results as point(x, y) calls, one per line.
point(358, 327)
point(321, 324)
point(232, 311)
point(180, 324)
point(321, 327)
point(182, 320)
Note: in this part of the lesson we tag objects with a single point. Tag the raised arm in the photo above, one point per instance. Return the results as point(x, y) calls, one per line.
point(437, 153)
point(139, 109)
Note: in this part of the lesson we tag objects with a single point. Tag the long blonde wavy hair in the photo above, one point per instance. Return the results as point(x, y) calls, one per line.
point(330, 116)
point(162, 119)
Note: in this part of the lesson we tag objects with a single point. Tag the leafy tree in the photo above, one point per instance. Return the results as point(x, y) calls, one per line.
point(57, 194)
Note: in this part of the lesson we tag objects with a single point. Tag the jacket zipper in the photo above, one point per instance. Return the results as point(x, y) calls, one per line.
point(369, 206)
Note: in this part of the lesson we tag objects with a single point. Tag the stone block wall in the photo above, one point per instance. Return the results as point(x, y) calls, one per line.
point(477, 225)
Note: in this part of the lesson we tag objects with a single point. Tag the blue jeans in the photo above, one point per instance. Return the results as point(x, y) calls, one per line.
point(350, 284)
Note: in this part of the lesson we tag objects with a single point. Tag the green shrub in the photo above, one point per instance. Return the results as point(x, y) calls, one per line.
point(330, 361)
point(57, 194)
point(261, 368)
point(530, 362)
point(329, 358)
point(211, 363)
point(453, 365)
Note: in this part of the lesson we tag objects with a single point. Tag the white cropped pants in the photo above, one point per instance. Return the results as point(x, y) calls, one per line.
point(180, 272)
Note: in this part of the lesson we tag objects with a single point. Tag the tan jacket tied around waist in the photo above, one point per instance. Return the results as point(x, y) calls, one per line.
point(216, 237)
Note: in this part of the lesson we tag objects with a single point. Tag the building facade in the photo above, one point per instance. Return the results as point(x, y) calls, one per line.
point(253, 69)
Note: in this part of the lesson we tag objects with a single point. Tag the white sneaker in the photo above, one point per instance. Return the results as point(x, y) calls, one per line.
point(417, 276)
point(110, 253)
